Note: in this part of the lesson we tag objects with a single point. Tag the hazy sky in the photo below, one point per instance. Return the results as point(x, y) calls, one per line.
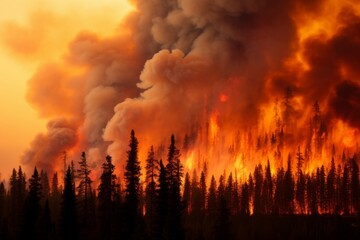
point(32, 32)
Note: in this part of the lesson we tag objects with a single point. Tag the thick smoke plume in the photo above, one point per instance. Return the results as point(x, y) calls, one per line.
point(204, 70)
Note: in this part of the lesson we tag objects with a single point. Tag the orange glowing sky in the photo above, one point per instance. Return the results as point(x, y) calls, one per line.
point(32, 32)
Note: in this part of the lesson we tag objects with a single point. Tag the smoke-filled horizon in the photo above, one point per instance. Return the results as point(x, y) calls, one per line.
point(228, 78)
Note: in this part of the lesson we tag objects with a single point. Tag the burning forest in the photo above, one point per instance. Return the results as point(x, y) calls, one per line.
point(260, 101)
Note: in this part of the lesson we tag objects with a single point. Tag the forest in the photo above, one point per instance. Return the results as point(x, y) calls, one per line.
point(171, 204)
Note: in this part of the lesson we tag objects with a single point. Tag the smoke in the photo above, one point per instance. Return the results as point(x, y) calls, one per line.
point(175, 64)
point(47, 148)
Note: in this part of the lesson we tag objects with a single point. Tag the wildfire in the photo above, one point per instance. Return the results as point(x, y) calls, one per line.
point(213, 126)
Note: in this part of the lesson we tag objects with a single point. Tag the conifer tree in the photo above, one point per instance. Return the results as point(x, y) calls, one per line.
point(212, 198)
point(355, 186)
point(162, 203)
point(345, 192)
point(174, 171)
point(32, 208)
point(330, 187)
point(106, 199)
point(85, 204)
point(289, 186)
point(152, 169)
point(132, 185)
point(187, 192)
point(245, 205)
point(68, 209)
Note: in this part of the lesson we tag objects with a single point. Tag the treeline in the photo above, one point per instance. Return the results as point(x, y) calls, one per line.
point(287, 204)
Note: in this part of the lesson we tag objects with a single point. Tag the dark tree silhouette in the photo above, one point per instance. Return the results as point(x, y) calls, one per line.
point(245, 203)
point(345, 191)
point(212, 198)
point(354, 186)
point(84, 198)
point(267, 194)
point(68, 209)
point(162, 203)
point(174, 171)
point(152, 169)
point(106, 199)
point(289, 188)
point(45, 184)
point(132, 186)
point(330, 187)
point(32, 208)
point(187, 192)
point(203, 192)
point(259, 178)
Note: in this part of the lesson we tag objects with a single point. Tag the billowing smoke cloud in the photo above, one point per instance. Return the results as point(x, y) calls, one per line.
point(45, 149)
point(175, 64)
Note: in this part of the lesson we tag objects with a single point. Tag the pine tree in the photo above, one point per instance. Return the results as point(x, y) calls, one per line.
point(132, 185)
point(321, 188)
point(279, 191)
point(106, 199)
point(289, 186)
point(152, 169)
point(345, 192)
point(267, 194)
point(259, 178)
point(68, 209)
point(21, 186)
point(330, 187)
point(187, 192)
point(174, 170)
point(195, 195)
point(355, 186)
point(85, 204)
point(44, 183)
point(245, 203)
point(55, 200)
point(162, 203)
point(202, 192)
point(32, 208)
point(212, 198)
point(2, 204)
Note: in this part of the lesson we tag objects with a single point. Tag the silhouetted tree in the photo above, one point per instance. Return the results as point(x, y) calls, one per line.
point(320, 179)
point(312, 195)
point(267, 192)
point(289, 188)
point(259, 178)
point(45, 185)
point(354, 186)
point(162, 203)
point(203, 192)
point(32, 208)
point(212, 198)
point(245, 205)
point(152, 169)
point(55, 200)
point(68, 209)
point(174, 170)
point(106, 199)
point(85, 204)
point(187, 192)
point(132, 186)
point(330, 187)
point(345, 191)
point(279, 197)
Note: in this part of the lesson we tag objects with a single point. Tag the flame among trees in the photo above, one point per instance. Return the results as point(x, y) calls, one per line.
point(166, 209)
